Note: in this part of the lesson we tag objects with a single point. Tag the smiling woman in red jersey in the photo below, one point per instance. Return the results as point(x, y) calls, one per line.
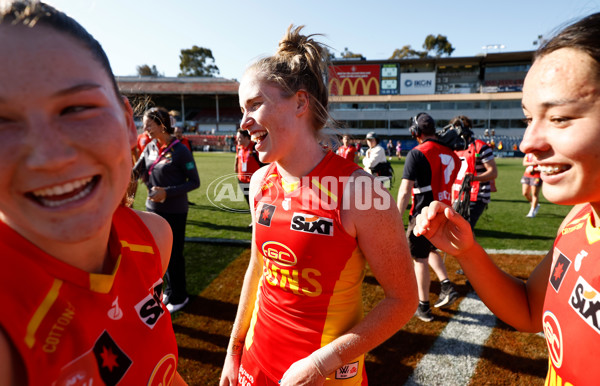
point(83, 272)
point(318, 219)
point(561, 103)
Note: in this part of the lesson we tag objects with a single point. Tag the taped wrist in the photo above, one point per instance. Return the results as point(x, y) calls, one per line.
point(326, 360)
point(236, 347)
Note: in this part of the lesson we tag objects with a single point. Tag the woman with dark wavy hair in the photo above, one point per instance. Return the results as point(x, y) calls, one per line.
point(561, 103)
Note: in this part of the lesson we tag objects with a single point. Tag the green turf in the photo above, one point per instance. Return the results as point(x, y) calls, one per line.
point(502, 226)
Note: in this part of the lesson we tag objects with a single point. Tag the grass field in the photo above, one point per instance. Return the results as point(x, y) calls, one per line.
point(502, 226)
point(215, 271)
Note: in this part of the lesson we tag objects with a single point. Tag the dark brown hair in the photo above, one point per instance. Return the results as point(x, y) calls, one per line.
point(161, 117)
point(583, 35)
point(30, 13)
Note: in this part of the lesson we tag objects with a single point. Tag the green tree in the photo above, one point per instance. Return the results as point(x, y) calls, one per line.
point(197, 61)
point(439, 44)
point(146, 70)
point(407, 52)
point(347, 54)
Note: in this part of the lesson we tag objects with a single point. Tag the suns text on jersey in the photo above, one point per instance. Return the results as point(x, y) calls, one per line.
point(300, 282)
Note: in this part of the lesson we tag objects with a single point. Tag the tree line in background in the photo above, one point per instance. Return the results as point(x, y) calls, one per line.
point(199, 61)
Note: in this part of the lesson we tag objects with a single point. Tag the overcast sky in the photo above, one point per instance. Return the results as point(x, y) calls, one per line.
point(136, 32)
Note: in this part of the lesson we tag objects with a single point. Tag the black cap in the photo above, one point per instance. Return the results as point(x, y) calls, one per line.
point(371, 135)
point(425, 123)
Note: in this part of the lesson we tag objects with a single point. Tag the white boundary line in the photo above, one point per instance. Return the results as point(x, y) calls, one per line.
point(514, 252)
point(453, 357)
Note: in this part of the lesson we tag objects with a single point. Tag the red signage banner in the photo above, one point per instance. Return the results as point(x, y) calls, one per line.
point(354, 79)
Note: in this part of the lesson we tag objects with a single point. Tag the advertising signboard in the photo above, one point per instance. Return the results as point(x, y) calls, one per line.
point(414, 83)
point(354, 79)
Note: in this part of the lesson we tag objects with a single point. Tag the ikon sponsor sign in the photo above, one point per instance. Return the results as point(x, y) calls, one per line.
point(413, 83)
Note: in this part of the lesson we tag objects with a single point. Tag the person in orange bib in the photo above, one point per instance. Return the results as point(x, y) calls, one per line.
point(318, 220)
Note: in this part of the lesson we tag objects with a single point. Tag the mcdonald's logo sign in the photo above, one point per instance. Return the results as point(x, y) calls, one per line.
point(354, 80)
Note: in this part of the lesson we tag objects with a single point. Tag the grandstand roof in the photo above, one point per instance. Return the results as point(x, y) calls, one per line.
point(173, 85)
point(488, 59)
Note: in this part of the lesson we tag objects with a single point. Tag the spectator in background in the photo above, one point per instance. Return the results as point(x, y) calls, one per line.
point(83, 271)
point(178, 131)
point(347, 150)
point(168, 169)
point(375, 153)
point(142, 140)
point(532, 184)
point(561, 104)
point(390, 148)
point(477, 160)
point(399, 149)
point(246, 161)
point(429, 171)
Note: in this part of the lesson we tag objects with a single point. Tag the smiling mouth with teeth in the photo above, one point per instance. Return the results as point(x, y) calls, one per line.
point(257, 137)
point(552, 169)
point(63, 194)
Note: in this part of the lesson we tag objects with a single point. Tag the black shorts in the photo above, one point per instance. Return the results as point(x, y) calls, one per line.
point(419, 246)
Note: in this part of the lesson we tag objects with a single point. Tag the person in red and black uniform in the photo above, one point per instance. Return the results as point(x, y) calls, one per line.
point(84, 271)
point(246, 161)
point(168, 169)
point(429, 171)
point(478, 161)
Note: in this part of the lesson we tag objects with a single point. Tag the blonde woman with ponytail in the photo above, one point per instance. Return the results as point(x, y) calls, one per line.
point(318, 220)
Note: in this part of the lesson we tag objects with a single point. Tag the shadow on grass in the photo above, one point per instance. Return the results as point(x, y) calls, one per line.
point(535, 367)
point(212, 208)
point(510, 235)
point(213, 226)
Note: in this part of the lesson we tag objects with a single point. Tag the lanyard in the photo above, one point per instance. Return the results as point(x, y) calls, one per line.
point(160, 156)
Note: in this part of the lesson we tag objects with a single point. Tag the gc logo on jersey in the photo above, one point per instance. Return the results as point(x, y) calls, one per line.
point(279, 252)
point(312, 224)
point(150, 309)
point(554, 339)
point(585, 300)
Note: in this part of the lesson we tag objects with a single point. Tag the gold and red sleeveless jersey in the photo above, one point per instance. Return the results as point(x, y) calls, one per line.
point(572, 305)
point(310, 289)
point(71, 327)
